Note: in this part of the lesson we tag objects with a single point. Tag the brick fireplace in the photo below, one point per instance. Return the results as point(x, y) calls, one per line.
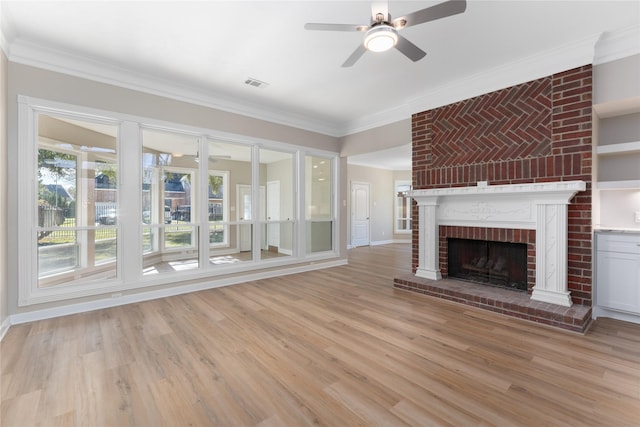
point(519, 139)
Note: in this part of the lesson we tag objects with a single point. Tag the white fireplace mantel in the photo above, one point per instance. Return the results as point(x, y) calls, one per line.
point(538, 206)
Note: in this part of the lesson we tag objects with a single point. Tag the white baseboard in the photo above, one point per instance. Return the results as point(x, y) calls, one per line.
point(614, 314)
point(4, 327)
point(66, 310)
point(387, 242)
point(382, 242)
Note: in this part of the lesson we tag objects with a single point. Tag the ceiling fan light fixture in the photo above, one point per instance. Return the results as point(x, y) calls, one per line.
point(381, 38)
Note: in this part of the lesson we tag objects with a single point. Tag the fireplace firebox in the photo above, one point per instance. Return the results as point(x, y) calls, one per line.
point(500, 264)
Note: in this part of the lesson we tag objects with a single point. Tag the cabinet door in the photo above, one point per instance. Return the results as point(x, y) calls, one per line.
point(618, 281)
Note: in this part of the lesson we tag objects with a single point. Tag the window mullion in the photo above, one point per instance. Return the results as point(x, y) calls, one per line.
point(301, 217)
point(129, 203)
point(256, 240)
point(202, 202)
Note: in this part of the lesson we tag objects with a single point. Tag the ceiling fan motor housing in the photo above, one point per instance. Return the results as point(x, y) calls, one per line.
point(381, 37)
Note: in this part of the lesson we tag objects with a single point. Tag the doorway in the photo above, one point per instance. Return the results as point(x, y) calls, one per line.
point(360, 223)
point(245, 217)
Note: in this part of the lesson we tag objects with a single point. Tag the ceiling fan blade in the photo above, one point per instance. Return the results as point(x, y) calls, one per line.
point(334, 27)
point(442, 10)
point(409, 49)
point(355, 56)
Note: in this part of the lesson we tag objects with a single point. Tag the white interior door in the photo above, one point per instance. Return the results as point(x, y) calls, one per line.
point(273, 213)
point(244, 214)
point(359, 214)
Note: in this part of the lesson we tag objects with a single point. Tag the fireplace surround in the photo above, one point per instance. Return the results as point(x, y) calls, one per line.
point(532, 214)
point(539, 206)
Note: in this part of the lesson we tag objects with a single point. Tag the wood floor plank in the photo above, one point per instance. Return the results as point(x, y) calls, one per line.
point(330, 347)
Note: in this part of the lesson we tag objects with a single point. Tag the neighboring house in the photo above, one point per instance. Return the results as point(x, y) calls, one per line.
point(59, 191)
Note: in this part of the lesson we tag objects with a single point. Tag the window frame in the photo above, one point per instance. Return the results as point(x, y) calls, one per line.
point(130, 217)
point(29, 289)
point(407, 207)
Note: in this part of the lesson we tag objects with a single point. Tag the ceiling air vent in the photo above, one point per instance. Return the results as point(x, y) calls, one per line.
point(255, 82)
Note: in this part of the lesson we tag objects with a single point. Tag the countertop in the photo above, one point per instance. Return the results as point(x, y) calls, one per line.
point(617, 230)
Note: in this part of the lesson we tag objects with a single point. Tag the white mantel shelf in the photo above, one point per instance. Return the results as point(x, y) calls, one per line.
point(537, 206)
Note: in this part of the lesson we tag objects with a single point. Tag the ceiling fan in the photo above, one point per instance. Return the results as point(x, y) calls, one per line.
point(382, 32)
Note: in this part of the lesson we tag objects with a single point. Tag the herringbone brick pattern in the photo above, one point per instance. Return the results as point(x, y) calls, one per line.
point(513, 123)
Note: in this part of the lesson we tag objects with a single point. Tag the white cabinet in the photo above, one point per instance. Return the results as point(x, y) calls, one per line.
point(618, 271)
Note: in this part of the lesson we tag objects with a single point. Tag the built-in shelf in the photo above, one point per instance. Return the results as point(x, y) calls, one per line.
point(618, 185)
point(618, 107)
point(623, 148)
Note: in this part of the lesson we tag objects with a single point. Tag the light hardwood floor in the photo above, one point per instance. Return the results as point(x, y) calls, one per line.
point(335, 347)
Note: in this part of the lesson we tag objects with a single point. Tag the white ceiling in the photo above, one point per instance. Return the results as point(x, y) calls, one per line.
point(205, 50)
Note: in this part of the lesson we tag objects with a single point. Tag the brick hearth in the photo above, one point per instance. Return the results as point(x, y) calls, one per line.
point(576, 318)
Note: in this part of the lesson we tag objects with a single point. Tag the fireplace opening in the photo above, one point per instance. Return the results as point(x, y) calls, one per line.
point(501, 264)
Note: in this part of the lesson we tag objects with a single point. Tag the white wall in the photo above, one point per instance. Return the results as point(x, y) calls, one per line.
point(616, 80)
point(377, 139)
point(618, 209)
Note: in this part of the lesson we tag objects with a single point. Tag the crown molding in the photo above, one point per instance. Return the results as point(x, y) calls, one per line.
point(381, 118)
point(35, 55)
point(595, 49)
point(617, 45)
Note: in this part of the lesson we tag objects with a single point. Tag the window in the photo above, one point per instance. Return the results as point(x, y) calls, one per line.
point(402, 211)
point(229, 211)
point(170, 167)
point(77, 201)
point(276, 210)
point(318, 204)
point(218, 208)
point(118, 203)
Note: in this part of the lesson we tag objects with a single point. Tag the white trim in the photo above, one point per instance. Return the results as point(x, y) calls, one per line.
point(617, 185)
point(388, 242)
point(380, 242)
point(622, 148)
point(614, 314)
point(617, 45)
point(4, 328)
point(115, 301)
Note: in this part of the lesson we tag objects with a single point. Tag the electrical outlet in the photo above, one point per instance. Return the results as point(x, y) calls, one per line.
point(638, 216)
